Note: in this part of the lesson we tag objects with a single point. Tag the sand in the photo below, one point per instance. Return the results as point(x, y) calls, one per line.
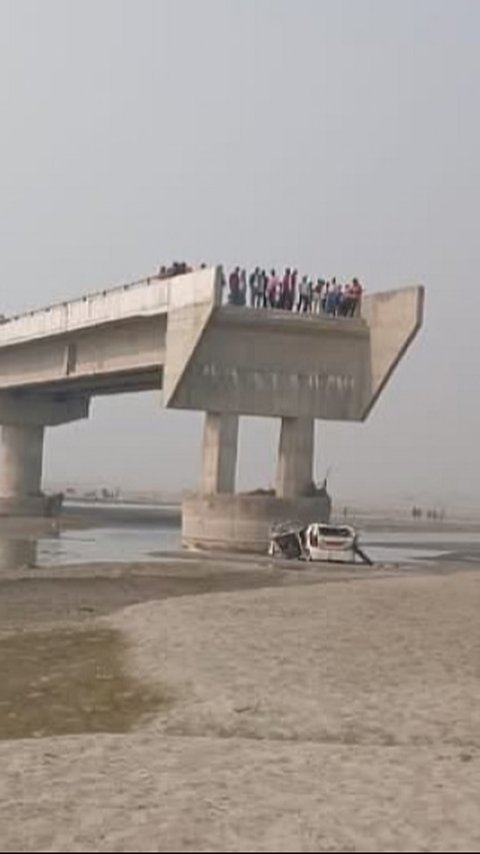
point(313, 717)
point(392, 661)
point(110, 793)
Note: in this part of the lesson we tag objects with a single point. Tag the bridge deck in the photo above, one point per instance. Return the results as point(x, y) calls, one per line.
point(126, 302)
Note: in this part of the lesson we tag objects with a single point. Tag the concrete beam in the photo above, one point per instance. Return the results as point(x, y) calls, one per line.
point(394, 318)
point(101, 353)
point(295, 457)
point(219, 459)
point(276, 364)
point(191, 306)
point(138, 299)
point(17, 408)
point(281, 364)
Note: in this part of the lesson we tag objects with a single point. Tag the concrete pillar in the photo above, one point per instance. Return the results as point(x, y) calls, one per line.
point(16, 554)
point(219, 463)
point(21, 459)
point(295, 457)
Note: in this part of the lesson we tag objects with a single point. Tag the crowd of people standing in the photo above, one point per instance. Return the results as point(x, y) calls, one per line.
point(292, 292)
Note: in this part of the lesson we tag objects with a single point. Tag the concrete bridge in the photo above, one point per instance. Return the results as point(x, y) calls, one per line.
point(175, 335)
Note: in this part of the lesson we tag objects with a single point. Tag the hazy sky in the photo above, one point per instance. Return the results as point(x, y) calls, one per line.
point(341, 136)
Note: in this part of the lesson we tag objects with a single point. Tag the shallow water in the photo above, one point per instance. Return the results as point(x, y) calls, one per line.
point(131, 543)
point(118, 544)
point(417, 546)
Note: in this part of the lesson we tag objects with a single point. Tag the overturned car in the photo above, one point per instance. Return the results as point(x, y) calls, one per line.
point(318, 541)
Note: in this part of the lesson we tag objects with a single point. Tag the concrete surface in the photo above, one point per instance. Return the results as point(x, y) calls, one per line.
point(21, 459)
point(243, 522)
point(210, 357)
point(280, 364)
point(219, 454)
point(108, 342)
point(295, 457)
point(394, 318)
point(45, 410)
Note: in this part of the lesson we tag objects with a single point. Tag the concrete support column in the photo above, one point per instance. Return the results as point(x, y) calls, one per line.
point(21, 459)
point(219, 463)
point(295, 457)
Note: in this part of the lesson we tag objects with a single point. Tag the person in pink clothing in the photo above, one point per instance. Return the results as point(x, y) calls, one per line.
point(273, 289)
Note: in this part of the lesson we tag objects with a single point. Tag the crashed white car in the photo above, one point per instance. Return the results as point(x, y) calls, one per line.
point(318, 541)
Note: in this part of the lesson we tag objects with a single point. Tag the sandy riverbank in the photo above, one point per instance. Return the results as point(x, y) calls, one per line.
point(316, 713)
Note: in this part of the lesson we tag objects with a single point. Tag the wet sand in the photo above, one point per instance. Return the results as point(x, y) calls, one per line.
point(224, 704)
point(69, 682)
point(67, 595)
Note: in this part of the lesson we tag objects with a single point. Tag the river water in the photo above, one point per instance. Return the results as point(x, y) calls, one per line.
point(126, 543)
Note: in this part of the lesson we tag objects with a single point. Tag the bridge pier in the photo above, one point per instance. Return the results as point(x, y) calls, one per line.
point(23, 419)
point(219, 461)
point(217, 518)
point(21, 460)
point(295, 457)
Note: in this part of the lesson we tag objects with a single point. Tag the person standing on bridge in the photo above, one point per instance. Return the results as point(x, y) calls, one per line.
point(293, 289)
point(260, 288)
point(272, 289)
point(243, 287)
point(252, 288)
point(286, 289)
point(323, 301)
point(348, 300)
point(316, 296)
point(223, 284)
point(330, 298)
point(339, 299)
point(303, 304)
point(234, 286)
point(264, 288)
point(356, 291)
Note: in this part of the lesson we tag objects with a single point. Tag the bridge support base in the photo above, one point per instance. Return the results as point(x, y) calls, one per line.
point(216, 518)
point(242, 522)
